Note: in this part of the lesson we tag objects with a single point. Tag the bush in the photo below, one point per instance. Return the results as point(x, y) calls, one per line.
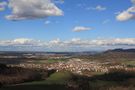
point(15, 75)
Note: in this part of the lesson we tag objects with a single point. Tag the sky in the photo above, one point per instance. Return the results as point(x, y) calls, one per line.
point(66, 25)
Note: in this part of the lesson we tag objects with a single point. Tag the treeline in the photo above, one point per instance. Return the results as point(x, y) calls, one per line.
point(114, 80)
point(16, 75)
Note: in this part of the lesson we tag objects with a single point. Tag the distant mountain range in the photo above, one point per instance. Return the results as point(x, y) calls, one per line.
point(121, 50)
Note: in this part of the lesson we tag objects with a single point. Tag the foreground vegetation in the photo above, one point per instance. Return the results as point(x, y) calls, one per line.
point(16, 75)
point(114, 80)
point(18, 78)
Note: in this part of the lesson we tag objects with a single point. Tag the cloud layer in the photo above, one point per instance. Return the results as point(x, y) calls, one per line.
point(75, 44)
point(32, 9)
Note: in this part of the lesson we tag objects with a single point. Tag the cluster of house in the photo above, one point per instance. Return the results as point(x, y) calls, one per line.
point(74, 65)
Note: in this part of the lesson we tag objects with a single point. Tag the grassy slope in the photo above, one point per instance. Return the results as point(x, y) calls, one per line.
point(56, 78)
point(55, 82)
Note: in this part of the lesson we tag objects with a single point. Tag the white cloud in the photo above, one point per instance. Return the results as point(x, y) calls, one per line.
point(26, 42)
point(75, 44)
point(21, 42)
point(47, 22)
point(81, 28)
point(56, 41)
point(128, 14)
point(2, 6)
point(32, 9)
point(98, 8)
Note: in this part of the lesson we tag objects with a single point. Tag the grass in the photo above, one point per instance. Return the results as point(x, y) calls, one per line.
point(117, 80)
point(49, 61)
point(56, 81)
point(129, 62)
point(56, 78)
point(59, 78)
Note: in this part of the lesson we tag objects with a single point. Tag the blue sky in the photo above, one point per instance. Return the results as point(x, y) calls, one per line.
point(94, 19)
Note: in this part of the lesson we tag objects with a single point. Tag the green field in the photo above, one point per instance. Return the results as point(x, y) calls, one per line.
point(49, 61)
point(56, 81)
point(56, 78)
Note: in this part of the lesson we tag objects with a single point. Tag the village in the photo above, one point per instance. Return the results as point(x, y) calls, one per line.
point(75, 65)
